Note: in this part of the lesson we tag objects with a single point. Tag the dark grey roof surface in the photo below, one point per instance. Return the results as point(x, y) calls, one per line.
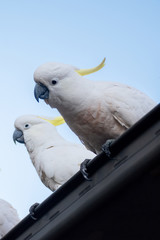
point(122, 200)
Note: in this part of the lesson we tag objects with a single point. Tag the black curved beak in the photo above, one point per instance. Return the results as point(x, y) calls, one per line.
point(41, 91)
point(18, 136)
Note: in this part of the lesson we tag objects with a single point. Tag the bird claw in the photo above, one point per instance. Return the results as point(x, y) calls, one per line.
point(84, 170)
point(106, 147)
point(32, 211)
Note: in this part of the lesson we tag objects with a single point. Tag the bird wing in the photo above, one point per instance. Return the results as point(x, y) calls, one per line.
point(126, 104)
point(60, 163)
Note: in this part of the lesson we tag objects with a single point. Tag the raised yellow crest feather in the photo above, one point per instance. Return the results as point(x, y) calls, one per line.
point(84, 72)
point(56, 121)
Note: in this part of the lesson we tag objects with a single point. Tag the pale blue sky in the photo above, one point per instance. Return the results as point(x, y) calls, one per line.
point(80, 33)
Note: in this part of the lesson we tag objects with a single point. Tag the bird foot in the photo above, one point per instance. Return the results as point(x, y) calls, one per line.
point(106, 147)
point(32, 211)
point(84, 170)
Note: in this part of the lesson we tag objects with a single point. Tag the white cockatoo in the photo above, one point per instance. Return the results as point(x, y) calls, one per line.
point(95, 111)
point(8, 217)
point(54, 158)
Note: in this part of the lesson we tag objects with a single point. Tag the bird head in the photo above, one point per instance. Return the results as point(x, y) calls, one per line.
point(53, 78)
point(29, 126)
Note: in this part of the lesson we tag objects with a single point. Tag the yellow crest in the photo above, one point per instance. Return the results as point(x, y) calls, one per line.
point(83, 72)
point(56, 121)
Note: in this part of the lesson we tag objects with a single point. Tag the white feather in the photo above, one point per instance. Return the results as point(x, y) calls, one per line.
point(8, 217)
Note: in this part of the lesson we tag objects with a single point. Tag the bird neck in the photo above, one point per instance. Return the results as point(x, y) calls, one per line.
point(75, 100)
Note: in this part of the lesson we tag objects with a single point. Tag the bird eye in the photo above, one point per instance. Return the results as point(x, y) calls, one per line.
point(54, 82)
point(26, 125)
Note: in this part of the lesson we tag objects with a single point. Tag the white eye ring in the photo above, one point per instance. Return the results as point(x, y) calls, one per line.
point(26, 126)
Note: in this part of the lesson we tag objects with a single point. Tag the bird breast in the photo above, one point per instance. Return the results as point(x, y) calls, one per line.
point(94, 126)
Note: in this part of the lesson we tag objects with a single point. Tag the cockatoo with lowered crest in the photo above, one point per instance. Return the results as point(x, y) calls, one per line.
point(55, 159)
point(8, 217)
point(95, 111)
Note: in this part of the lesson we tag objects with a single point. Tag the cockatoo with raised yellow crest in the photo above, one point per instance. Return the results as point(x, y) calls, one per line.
point(54, 158)
point(8, 217)
point(95, 111)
